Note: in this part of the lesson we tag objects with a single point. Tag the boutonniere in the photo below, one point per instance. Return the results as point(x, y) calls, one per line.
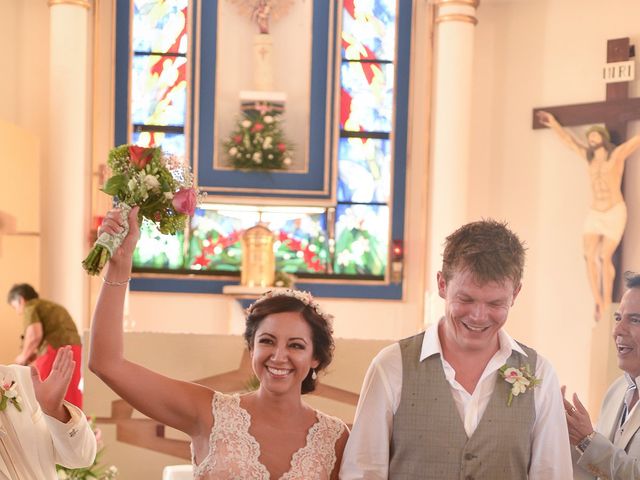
point(521, 380)
point(9, 395)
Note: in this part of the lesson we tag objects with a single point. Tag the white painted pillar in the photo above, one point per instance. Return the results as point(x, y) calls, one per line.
point(66, 178)
point(451, 122)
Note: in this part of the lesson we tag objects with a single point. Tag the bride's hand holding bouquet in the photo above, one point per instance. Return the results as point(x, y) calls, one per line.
point(159, 186)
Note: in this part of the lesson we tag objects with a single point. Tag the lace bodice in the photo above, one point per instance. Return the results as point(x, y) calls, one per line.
point(234, 453)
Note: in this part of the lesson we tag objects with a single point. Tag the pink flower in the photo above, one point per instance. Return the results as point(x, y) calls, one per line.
point(140, 156)
point(184, 201)
point(282, 147)
point(257, 127)
point(237, 138)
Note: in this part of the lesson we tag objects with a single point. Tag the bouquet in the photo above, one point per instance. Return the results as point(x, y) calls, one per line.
point(258, 143)
point(161, 185)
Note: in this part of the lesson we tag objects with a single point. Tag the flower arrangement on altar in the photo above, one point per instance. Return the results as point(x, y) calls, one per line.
point(95, 471)
point(521, 380)
point(161, 185)
point(258, 143)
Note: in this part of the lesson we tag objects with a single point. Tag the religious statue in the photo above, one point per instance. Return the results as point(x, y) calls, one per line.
point(260, 15)
point(607, 215)
point(263, 11)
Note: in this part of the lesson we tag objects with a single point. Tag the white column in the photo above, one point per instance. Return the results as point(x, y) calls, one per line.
point(66, 178)
point(451, 123)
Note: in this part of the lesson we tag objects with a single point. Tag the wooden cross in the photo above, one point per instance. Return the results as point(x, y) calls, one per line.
point(615, 112)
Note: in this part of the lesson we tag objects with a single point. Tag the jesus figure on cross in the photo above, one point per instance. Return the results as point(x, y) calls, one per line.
point(607, 216)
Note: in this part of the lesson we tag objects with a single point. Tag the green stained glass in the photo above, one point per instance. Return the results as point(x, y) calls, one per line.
point(158, 90)
point(155, 250)
point(160, 26)
point(361, 239)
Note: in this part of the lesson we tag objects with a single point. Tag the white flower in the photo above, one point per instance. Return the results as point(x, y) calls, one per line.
point(233, 151)
point(132, 184)
point(267, 143)
point(268, 119)
point(360, 247)
point(62, 475)
point(151, 182)
point(246, 123)
point(257, 157)
point(287, 161)
point(168, 195)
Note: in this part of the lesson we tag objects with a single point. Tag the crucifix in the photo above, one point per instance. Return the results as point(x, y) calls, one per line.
point(605, 150)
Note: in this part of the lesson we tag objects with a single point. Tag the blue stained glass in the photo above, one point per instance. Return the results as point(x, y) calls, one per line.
point(158, 90)
point(367, 97)
point(160, 26)
point(368, 30)
point(155, 250)
point(361, 246)
point(171, 143)
point(364, 170)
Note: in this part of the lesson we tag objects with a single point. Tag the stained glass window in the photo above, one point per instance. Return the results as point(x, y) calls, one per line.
point(158, 107)
point(349, 239)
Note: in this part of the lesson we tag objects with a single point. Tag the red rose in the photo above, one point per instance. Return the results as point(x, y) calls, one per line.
point(257, 127)
point(140, 156)
point(157, 216)
point(237, 138)
point(282, 147)
point(184, 201)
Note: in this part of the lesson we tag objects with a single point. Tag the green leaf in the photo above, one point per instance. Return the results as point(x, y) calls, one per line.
point(115, 184)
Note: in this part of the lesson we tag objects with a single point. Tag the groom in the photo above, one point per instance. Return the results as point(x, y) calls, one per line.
point(435, 406)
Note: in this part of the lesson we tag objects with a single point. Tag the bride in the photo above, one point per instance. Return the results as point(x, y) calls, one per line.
point(268, 433)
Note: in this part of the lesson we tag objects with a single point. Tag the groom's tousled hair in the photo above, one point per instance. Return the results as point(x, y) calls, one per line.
point(486, 248)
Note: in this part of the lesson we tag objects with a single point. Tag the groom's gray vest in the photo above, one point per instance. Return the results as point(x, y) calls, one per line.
point(428, 439)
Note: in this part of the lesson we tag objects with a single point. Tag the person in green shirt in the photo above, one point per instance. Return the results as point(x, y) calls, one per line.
point(47, 327)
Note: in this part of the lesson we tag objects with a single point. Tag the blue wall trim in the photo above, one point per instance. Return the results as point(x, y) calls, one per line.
point(314, 180)
point(123, 59)
point(187, 285)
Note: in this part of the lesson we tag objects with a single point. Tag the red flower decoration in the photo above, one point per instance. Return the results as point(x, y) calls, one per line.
point(257, 127)
point(237, 138)
point(282, 147)
point(140, 156)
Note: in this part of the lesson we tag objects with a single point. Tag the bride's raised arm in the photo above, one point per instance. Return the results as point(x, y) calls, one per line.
point(181, 405)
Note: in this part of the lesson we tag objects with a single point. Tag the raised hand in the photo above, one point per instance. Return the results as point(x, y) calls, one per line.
point(578, 419)
point(545, 118)
point(50, 393)
point(114, 224)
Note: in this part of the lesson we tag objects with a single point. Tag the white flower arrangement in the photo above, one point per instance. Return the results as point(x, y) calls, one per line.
point(521, 380)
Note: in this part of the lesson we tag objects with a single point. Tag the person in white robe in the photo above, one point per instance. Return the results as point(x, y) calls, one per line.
point(38, 429)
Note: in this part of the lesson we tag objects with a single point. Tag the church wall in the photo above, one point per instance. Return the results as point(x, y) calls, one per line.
point(532, 54)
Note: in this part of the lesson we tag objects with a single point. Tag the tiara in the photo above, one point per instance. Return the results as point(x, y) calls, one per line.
point(304, 297)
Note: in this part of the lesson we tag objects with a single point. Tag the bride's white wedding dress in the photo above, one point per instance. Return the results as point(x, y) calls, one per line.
point(234, 453)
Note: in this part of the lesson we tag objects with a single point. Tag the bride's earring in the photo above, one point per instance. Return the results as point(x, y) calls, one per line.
point(314, 375)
